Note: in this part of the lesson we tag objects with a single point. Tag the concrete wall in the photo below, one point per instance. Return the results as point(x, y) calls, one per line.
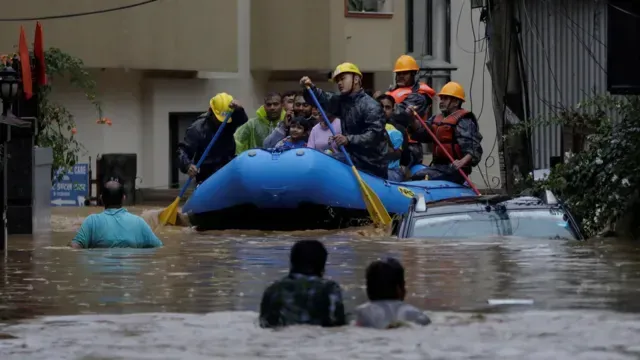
point(168, 34)
point(311, 34)
point(474, 77)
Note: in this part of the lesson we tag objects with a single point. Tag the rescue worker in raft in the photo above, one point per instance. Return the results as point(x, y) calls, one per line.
point(409, 92)
point(361, 119)
point(457, 130)
point(200, 133)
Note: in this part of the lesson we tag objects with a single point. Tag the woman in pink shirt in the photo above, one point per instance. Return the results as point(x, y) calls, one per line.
point(320, 136)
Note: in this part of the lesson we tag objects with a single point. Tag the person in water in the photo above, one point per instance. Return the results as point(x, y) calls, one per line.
point(386, 308)
point(298, 135)
point(303, 297)
point(115, 227)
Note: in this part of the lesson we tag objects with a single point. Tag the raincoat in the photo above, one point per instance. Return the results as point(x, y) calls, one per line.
point(362, 121)
point(197, 138)
point(252, 134)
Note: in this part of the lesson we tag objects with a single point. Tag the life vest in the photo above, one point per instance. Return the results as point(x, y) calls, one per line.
point(401, 93)
point(444, 129)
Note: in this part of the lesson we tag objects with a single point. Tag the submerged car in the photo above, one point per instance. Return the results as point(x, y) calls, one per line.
point(488, 216)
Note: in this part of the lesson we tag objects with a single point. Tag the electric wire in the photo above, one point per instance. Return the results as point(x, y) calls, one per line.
point(85, 13)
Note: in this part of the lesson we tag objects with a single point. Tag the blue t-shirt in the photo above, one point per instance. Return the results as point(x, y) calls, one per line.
point(116, 228)
point(396, 142)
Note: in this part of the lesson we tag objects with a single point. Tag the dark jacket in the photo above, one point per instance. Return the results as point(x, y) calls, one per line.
point(198, 136)
point(300, 299)
point(467, 135)
point(420, 101)
point(362, 121)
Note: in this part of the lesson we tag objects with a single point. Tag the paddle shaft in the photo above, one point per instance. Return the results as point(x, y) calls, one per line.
point(438, 143)
point(206, 151)
point(326, 121)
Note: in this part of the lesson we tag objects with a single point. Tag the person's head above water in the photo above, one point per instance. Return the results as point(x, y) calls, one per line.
point(112, 194)
point(308, 257)
point(385, 280)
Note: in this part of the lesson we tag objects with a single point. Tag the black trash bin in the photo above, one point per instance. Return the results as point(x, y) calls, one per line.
point(122, 167)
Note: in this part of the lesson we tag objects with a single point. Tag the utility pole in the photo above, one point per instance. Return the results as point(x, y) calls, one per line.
point(508, 92)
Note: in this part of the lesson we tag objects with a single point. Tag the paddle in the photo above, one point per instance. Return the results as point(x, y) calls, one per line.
point(170, 214)
point(438, 143)
point(376, 210)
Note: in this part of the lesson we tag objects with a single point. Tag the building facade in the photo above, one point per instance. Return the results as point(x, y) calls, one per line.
point(157, 65)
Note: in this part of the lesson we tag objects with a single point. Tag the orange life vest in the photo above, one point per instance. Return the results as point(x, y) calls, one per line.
point(401, 93)
point(445, 130)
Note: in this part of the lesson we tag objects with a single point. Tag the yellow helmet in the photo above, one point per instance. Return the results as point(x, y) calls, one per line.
point(345, 68)
point(453, 89)
point(406, 63)
point(220, 105)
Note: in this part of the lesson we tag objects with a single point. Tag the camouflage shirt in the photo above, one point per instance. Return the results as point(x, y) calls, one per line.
point(302, 300)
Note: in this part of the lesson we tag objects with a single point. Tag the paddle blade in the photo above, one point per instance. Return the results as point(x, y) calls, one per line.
point(170, 214)
point(376, 210)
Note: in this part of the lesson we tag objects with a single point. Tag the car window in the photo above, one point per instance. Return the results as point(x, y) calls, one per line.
point(538, 223)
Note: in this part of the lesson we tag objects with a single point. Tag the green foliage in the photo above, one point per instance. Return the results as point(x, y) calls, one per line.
point(602, 183)
point(57, 127)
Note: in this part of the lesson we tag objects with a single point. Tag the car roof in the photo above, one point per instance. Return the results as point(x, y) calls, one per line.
point(479, 203)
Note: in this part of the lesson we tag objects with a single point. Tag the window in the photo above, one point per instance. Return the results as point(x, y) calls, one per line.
point(368, 8)
point(538, 223)
point(623, 74)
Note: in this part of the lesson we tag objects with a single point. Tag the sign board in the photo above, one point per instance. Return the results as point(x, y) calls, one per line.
point(73, 188)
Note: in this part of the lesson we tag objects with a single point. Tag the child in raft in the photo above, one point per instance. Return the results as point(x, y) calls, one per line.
point(298, 135)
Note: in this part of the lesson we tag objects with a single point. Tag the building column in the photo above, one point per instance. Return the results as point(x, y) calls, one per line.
point(440, 33)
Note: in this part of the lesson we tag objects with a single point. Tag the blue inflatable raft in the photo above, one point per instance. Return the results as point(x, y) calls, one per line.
point(296, 190)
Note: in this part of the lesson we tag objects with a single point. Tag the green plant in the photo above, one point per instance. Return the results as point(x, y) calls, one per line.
point(56, 125)
point(601, 184)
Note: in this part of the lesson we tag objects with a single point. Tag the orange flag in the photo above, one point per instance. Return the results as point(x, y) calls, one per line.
point(38, 52)
point(27, 85)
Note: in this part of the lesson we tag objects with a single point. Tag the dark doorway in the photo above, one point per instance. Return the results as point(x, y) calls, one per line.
point(178, 124)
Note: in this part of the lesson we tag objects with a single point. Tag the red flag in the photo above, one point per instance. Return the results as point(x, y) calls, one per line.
point(38, 52)
point(27, 85)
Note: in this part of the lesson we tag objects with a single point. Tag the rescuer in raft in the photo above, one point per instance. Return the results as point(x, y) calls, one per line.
point(361, 118)
point(200, 133)
point(457, 130)
point(409, 92)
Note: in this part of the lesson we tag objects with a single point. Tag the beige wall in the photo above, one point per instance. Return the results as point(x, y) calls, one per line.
point(312, 34)
point(168, 34)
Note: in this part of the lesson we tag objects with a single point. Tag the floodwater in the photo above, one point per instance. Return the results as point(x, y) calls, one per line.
point(197, 297)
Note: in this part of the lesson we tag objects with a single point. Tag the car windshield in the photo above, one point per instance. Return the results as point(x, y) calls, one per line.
point(536, 223)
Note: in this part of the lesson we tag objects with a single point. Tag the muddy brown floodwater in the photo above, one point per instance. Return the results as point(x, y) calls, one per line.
point(197, 297)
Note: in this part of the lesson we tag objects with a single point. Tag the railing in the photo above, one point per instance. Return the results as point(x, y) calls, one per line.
point(368, 8)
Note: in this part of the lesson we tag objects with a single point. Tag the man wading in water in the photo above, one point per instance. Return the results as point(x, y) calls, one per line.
point(115, 227)
point(361, 118)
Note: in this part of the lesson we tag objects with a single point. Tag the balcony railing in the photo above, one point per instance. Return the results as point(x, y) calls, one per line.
point(368, 8)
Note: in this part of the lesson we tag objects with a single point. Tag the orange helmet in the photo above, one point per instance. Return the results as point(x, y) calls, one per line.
point(406, 63)
point(452, 89)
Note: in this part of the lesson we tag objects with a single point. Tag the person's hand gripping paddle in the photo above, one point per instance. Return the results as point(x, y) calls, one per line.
point(170, 214)
point(438, 143)
point(376, 210)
